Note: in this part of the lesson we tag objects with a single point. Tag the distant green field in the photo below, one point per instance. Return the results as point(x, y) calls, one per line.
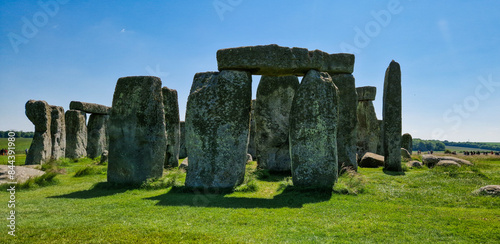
point(21, 145)
point(453, 148)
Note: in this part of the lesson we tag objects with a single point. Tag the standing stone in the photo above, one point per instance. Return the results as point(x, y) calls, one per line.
point(252, 150)
point(368, 125)
point(97, 136)
point(273, 104)
point(217, 127)
point(137, 137)
point(348, 120)
point(380, 147)
point(407, 142)
point(76, 134)
point(172, 127)
point(39, 113)
point(313, 132)
point(182, 140)
point(58, 132)
point(392, 117)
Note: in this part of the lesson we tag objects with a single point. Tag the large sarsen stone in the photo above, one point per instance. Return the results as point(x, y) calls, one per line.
point(39, 113)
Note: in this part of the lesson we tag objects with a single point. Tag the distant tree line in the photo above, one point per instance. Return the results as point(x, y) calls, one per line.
point(22, 134)
point(428, 145)
point(479, 145)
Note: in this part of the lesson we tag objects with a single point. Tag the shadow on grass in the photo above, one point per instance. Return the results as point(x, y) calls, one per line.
point(290, 197)
point(394, 173)
point(101, 189)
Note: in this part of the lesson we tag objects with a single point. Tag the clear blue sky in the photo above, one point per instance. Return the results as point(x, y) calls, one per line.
point(449, 52)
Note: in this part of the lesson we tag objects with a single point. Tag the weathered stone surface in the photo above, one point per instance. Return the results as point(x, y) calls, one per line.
point(407, 142)
point(348, 121)
point(137, 137)
point(91, 108)
point(104, 157)
point(76, 134)
point(217, 128)
point(368, 129)
point(371, 160)
point(97, 135)
point(39, 113)
point(392, 117)
point(493, 190)
point(313, 131)
point(430, 160)
point(277, 61)
point(182, 140)
point(447, 163)
point(405, 154)
point(172, 126)
point(366, 93)
point(252, 150)
point(457, 160)
point(414, 164)
point(58, 132)
point(274, 101)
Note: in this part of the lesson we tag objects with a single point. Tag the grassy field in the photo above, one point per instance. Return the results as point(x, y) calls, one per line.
point(21, 145)
point(458, 149)
point(423, 206)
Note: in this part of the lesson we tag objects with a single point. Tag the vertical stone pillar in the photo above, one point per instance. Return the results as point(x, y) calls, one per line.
point(392, 117)
point(217, 127)
point(58, 132)
point(39, 113)
point(76, 134)
point(97, 136)
point(346, 133)
point(274, 101)
point(137, 137)
point(368, 124)
point(182, 140)
point(380, 147)
point(251, 138)
point(313, 132)
point(407, 142)
point(171, 105)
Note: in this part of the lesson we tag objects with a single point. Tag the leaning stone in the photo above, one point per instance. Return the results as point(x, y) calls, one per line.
point(275, 60)
point(407, 142)
point(182, 140)
point(252, 150)
point(172, 126)
point(368, 129)
point(217, 127)
point(184, 165)
point(414, 164)
point(348, 121)
point(39, 113)
point(274, 101)
point(76, 134)
point(366, 93)
point(392, 118)
point(448, 163)
point(104, 157)
point(90, 108)
point(137, 138)
point(405, 154)
point(58, 132)
point(493, 190)
point(97, 135)
point(371, 160)
point(313, 131)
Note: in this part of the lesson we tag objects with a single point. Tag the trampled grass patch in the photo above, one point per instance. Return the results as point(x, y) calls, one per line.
point(422, 206)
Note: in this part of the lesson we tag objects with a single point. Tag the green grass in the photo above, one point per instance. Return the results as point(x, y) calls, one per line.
point(423, 206)
point(21, 145)
point(458, 149)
